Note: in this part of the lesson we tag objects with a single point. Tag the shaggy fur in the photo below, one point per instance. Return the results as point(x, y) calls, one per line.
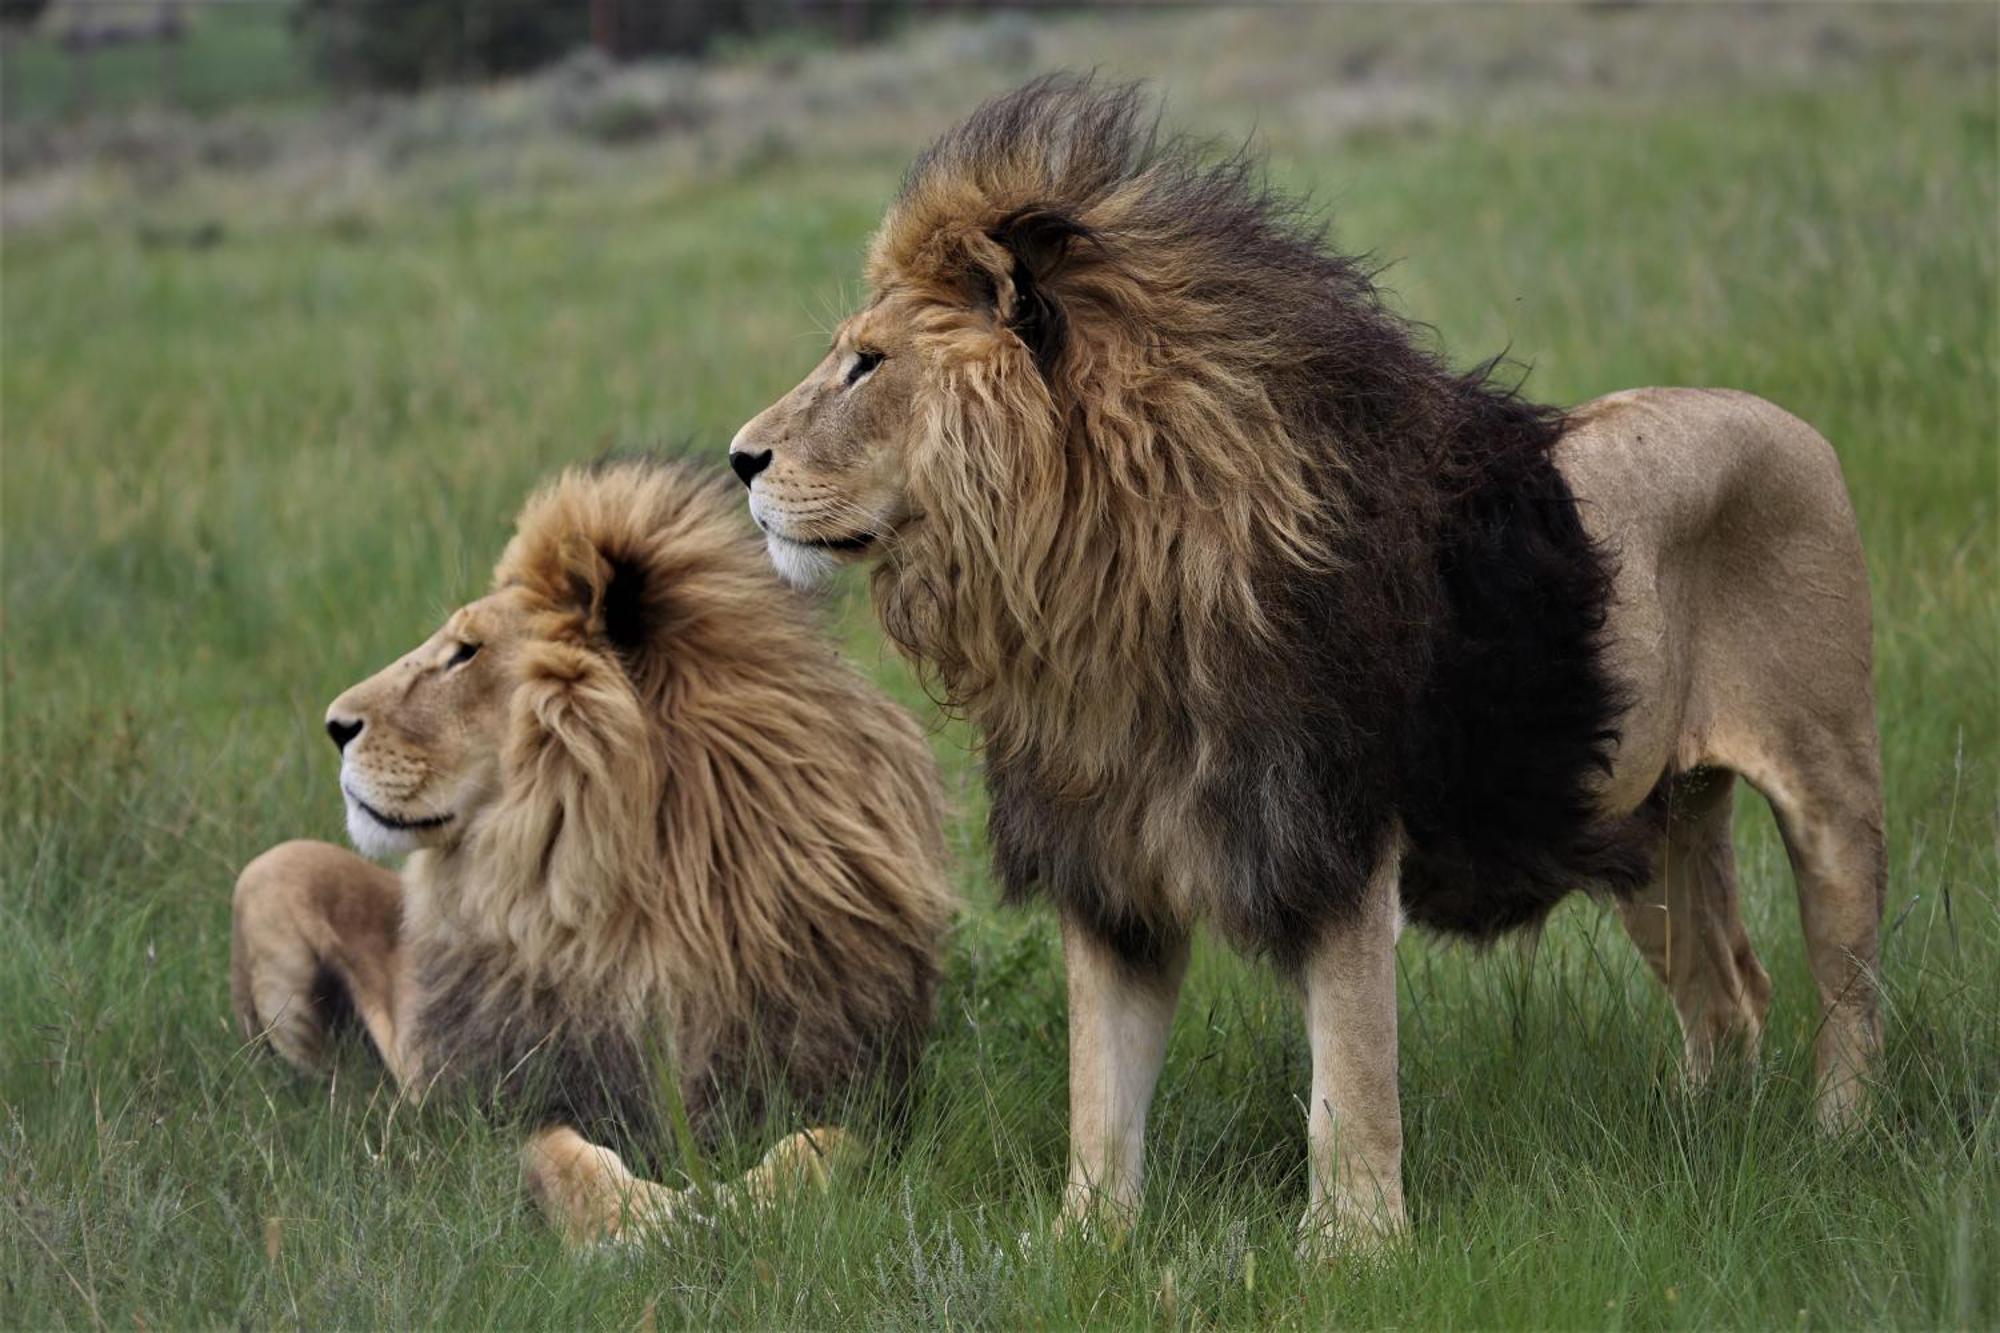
point(704, 815)
point(1232, 571)
point(1271, 618)
point(692, 831)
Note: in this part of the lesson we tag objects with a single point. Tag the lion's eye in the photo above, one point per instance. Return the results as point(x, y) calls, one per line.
point(864, 362)
point(464, 653)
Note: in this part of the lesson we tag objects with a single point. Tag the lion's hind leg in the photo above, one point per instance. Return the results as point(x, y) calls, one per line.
point(1825, 790)
point(314, 932)
point(592, 1199)
point(1688, 925)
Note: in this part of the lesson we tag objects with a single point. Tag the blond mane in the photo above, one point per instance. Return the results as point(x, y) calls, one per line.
point(710, 830)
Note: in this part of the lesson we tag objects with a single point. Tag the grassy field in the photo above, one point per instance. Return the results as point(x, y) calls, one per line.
point(238, 477)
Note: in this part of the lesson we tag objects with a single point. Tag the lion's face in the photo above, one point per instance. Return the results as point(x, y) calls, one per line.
point(420, 740)
point(827, 463)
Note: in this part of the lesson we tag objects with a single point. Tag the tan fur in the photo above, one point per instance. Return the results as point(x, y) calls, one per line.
point(1118, 1027)
point(1354, 1126)
point(1741, 619)
point(715, 838)
point(593, 1198)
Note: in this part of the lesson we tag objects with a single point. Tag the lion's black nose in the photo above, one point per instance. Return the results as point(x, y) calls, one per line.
point(342, 730)
point(747, 464)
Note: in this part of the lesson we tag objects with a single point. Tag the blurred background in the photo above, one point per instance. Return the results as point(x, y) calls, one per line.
point(298, 300)
point(333, 105)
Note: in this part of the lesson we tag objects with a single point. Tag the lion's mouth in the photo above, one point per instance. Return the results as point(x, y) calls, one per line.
point(390, 821)
point(857, 543)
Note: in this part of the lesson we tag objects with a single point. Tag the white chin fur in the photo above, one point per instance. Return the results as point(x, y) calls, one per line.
point(800, 566)
point(377, 841)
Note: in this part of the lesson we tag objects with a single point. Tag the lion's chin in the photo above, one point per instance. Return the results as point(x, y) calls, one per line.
point(377, 841)
point(376, 838)
point(804, 567)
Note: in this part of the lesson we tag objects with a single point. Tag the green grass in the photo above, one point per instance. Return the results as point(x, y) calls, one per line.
point(237, 479)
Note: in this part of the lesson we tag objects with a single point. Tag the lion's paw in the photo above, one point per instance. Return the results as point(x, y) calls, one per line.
point(1351, 1230)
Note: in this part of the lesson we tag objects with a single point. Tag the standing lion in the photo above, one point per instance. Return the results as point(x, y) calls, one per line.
point(1271, 619)
point(648, 813)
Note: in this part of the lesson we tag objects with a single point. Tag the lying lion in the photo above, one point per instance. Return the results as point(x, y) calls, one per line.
point(646, 809)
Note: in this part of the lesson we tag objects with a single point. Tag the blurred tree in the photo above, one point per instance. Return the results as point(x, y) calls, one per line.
point(667, 27)
point(411, 43)
point(628, 28)
point(21, 13)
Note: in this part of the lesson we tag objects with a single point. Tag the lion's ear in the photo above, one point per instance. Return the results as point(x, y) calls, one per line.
point(611, 592)
point(625, 611)
point(1023, 281)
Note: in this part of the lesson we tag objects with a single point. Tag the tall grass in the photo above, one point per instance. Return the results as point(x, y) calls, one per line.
point(237, 479)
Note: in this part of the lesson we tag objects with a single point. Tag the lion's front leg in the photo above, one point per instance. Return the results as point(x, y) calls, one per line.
point(1120, 1011)
point(1354, 1127)
point(592, 1198)
point(586, 1192)
point(316, 927)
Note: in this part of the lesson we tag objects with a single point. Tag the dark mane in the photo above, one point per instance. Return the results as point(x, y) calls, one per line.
point(1352, 589)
